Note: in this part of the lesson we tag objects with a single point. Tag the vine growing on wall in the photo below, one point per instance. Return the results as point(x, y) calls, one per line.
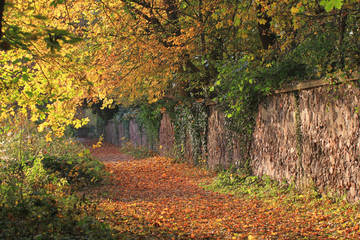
point(191, 120)
point(238, 96)
point(123, 117)
point(299, 134)
point(148, 117)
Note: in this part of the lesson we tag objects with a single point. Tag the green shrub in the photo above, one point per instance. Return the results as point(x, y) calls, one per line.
point(80, 170)
point(36, 204)
point(37, 183)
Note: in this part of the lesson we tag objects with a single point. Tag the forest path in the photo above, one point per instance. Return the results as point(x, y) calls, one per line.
point(155, 198)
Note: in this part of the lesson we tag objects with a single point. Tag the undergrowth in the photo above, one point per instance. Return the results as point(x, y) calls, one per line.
point(340, 217)
point(239, 182)
point(40, 183)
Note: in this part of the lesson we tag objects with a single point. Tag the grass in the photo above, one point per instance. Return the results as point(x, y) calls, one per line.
point(331, 212)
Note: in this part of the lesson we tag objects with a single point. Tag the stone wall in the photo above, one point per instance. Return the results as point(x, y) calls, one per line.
point(110, 135)
point(137, 135)
point(224, 148)
point(119, 133)
point(122, 133)
point(308, 136)
point(331, 139)
point(166, 136)
point(302, 136)
point(274, 145)
point(321, 146)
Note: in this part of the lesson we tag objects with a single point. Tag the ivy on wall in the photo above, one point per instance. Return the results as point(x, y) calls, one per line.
point(299, 135)
point(95, 124)
point(191, 120)
point(148, 117)
point(123, 117)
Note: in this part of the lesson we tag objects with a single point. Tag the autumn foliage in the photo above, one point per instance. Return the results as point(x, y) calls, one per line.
point(57, 55)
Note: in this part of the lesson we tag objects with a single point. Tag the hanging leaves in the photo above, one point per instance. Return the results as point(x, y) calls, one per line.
point(331, 4)
point(133, 51)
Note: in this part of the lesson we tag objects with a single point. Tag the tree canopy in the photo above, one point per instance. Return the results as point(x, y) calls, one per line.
point(56, 55)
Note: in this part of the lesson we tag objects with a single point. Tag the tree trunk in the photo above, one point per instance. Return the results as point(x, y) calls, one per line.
point(2, 5)
point(267, 37)
point(342, 32)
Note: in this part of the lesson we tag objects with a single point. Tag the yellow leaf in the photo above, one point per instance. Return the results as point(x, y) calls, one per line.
point(262, 21)
point(41, 127)
point(294, 10)
point(48, 137)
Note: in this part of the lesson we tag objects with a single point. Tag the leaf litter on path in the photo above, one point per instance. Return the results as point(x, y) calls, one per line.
point(155, 198)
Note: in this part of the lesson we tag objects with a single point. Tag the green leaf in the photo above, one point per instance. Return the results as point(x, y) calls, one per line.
point(15, 80)
point(25, 59)
point(331, 4)
point(73, 40)
point(25, 77)
point(238, 21)
point(52, 44)
point(30, 94)
point(40, 17)
point(16, 61)
point(56, 2)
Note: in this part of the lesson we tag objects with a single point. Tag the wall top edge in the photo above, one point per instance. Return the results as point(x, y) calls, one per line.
point(355, 76)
